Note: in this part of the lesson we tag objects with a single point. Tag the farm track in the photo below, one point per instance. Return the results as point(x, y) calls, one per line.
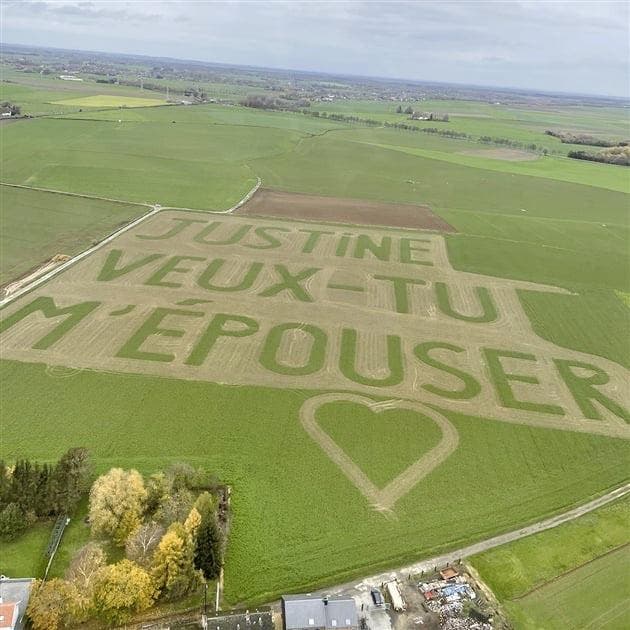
point(82, 195)
point(154, 209)
point(496, 541)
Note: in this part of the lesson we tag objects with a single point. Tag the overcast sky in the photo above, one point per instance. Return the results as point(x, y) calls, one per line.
point(558, 46)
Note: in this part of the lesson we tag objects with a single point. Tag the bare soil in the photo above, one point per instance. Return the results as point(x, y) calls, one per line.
point(275, 203)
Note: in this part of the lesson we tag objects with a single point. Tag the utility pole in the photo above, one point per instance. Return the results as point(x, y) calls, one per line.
point(204, 617)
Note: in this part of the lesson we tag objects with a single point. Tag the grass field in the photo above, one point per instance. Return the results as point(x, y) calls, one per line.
point(290, 523)
point(36, 225)
point(523, 124)
point(298, 522)
point(596, 595)
point(109, 100)
point(572, 576)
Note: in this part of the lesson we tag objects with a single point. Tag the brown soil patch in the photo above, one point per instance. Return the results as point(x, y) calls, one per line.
point(274, 203)
point(509, 155)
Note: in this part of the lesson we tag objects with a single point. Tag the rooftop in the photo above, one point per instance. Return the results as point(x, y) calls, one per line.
point(314, 611)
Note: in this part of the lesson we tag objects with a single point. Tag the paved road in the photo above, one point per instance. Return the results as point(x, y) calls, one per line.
point(484, 545)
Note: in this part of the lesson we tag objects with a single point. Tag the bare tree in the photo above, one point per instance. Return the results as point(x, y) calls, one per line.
point(140, 546)
point(85, 565)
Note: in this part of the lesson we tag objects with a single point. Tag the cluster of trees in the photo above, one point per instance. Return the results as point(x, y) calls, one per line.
point(30, 491)
point(447, 133)
point(344, 118)
point(450, 133)
point(285, 102)
point(571, 138)
point(197, 93)
point(515, 144)
point(619, 155)
point(172, 540)
point(6, 106)
point(414, 115)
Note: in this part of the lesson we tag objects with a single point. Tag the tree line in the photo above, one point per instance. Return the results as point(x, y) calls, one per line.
point(171, 526)
point(30, 491)
point(570, 138)
point(619, 155)
point(450, 133)
point(286, 102)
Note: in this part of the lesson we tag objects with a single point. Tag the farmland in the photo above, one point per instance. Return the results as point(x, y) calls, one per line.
point(570, 576)
point(109, 100)
point(37, 225)
point(492, 307)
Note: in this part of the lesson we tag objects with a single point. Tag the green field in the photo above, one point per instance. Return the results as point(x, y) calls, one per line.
point(572, 576)
point(298, 522)
point(36, 225)
point(596, 595)
point(288, 497)
point(523, 124)
point(109, 100)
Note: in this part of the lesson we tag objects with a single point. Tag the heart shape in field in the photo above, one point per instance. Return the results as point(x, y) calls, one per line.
point(381, 498)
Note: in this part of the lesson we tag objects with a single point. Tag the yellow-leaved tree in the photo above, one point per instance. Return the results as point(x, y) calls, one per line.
point(173, 564)
point(121, 590)
point(52, 604)
point(117, 504)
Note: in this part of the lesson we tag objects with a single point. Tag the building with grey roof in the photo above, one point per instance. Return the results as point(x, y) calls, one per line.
point(314, 612)
point(14, 594)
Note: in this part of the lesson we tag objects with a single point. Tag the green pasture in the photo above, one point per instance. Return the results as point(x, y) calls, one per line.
point(41, 95)
point(211, 114)
point(189, 166)
point(524, 124)
point(571, 576)
point(35, 225)
point(110, 100)
point(330, 165)
point(393, 440)
point(594, 321)
point(596, 595)
point(288, 497)
point(298, 521)
point(560, 168)
point(510, 225)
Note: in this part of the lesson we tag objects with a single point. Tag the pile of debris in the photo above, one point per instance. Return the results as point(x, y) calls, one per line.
point(447, 597)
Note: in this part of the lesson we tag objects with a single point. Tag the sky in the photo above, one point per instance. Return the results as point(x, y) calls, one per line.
point(566, 46)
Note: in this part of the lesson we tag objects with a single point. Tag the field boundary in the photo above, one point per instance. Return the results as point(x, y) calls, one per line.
point(81, 195)
point(155, 209)
point(461, 553)
point(568, 572)
point(51, 274)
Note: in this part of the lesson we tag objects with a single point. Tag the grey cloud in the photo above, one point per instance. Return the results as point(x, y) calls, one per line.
point(573, 45)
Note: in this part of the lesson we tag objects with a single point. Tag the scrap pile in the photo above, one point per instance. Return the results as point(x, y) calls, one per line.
point(447, 598)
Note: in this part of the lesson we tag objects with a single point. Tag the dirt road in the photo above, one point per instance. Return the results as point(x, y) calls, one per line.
point(465, 552)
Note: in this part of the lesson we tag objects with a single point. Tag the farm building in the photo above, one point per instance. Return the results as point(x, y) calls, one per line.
point(8, 615)
point(14, 596)
point(302, 612)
